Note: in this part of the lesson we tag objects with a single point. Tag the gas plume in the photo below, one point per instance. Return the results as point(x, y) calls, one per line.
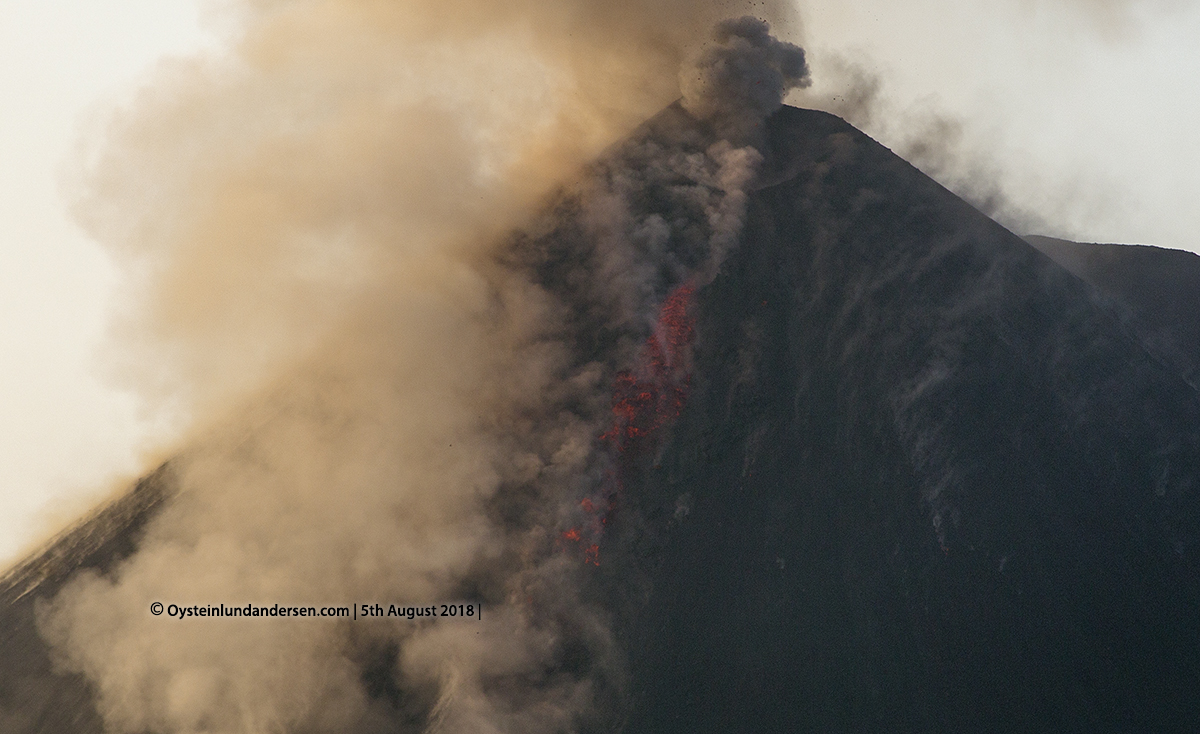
point(391, 396)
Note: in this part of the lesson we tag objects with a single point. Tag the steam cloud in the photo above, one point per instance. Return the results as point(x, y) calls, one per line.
point(391, 397)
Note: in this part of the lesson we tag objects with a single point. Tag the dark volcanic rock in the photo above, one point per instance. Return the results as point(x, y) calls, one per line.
point(932, 486)
point(1155, 291)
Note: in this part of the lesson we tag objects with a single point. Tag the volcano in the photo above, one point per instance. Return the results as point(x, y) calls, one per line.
point(1149, 289)
point(908, 474)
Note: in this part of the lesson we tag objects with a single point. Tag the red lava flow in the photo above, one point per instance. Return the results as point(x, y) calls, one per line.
point(645, 400)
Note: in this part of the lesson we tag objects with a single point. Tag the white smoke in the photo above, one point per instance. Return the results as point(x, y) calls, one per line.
point(391, 404)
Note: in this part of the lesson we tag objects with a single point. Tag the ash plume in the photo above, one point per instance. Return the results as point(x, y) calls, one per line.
point(742, 77)
point(388, 396)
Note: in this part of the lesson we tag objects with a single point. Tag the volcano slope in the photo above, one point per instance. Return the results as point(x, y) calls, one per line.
point(915, 479)
point(34, 695)
point(1152, 290)
point(922, 482)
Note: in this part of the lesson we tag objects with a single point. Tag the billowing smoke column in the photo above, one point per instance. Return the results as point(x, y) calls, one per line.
point(394, 400)
point(742, 78)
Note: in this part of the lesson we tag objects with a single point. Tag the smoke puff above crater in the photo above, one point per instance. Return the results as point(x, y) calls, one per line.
point(742, 76)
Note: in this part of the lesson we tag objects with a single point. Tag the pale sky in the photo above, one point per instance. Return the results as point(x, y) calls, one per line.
point(65, 437)
point(1089, 108)
point(1086, 111)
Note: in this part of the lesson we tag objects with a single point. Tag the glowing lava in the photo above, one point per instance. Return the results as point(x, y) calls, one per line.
point(644, 401)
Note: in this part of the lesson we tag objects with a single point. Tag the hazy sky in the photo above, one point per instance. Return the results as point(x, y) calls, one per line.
point(1084, 111)
point(64, 436)
point(1088, 109)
